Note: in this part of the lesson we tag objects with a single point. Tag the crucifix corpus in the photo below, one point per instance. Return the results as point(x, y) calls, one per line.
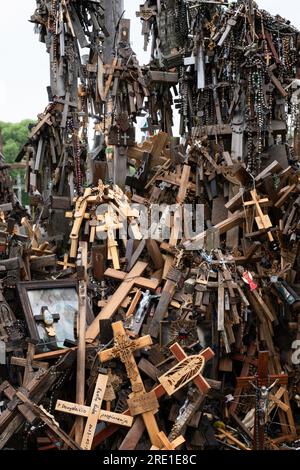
point(263, 383)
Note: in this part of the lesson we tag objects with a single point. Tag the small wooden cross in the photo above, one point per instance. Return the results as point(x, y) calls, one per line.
point(263, 220)
point(262, 379)
point(140, 402)
point(65, 263)
point(188, 369)
point(166, 444)
point(94, 413)
point(129, 281)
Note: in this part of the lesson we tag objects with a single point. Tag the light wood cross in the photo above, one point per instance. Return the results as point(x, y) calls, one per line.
point(140, 402)
point(94, 413)
point(129, 281)
point(65, 263)
point(263, 220)
point(81, 206)
point(112, 245)
point(166, 444)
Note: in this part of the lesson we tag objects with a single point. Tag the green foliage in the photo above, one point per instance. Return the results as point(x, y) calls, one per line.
point(14, 136)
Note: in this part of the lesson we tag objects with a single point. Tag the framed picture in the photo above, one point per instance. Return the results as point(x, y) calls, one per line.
point(51, 309)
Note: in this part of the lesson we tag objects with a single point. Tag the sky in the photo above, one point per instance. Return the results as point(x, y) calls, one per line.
point(24, 70)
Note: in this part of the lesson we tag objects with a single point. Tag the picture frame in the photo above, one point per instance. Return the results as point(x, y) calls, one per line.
point(60, 299)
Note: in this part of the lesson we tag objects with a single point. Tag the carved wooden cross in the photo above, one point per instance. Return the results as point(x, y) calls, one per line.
point(94, 413)
point(140, 402)
point(188, 369)
point(129, 280)
point(263, 220)
point(263, 379)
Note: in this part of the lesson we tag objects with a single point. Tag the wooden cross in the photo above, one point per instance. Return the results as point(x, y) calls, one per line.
point(129, 281)
point(94, 413)
point(247, 361)
point(81, 205)
point(263, 220)
point(160, 391)
point(188, 369)
point(109, 227)
point(65, 263)
point(166, 444)
point(140, 402)
point(261, 379)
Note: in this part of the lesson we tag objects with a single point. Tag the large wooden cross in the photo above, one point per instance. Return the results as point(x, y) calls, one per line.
point(129, 280)
point(261, 379)
point(160, 391)
point(94, 413)
point(140, 402)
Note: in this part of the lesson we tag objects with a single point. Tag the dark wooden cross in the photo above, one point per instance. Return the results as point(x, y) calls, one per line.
point(261, 379)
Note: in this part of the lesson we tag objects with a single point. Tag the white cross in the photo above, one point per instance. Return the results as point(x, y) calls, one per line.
point(125, 138)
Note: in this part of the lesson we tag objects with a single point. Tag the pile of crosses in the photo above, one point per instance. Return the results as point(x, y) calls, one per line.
point(150, 295)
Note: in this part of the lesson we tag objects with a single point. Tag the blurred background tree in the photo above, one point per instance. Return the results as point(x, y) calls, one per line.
point(14, 136)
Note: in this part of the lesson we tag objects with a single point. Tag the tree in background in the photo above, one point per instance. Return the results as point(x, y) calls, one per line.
point(14, 136)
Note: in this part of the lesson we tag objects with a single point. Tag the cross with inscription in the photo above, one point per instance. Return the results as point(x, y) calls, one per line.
point(94, 413)
point(140, 402)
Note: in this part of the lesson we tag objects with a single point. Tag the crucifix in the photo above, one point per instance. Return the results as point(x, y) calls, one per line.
point(261, 381)
point(263, 220)
point(47, 319)
point(140, 402)
point(129, 281)
point(94, 413)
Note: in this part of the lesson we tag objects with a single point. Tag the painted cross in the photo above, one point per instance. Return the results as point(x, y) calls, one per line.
point(129, 281)
point(140, 402)
point(94, 413)
point(262, 379)
point(188, 369)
